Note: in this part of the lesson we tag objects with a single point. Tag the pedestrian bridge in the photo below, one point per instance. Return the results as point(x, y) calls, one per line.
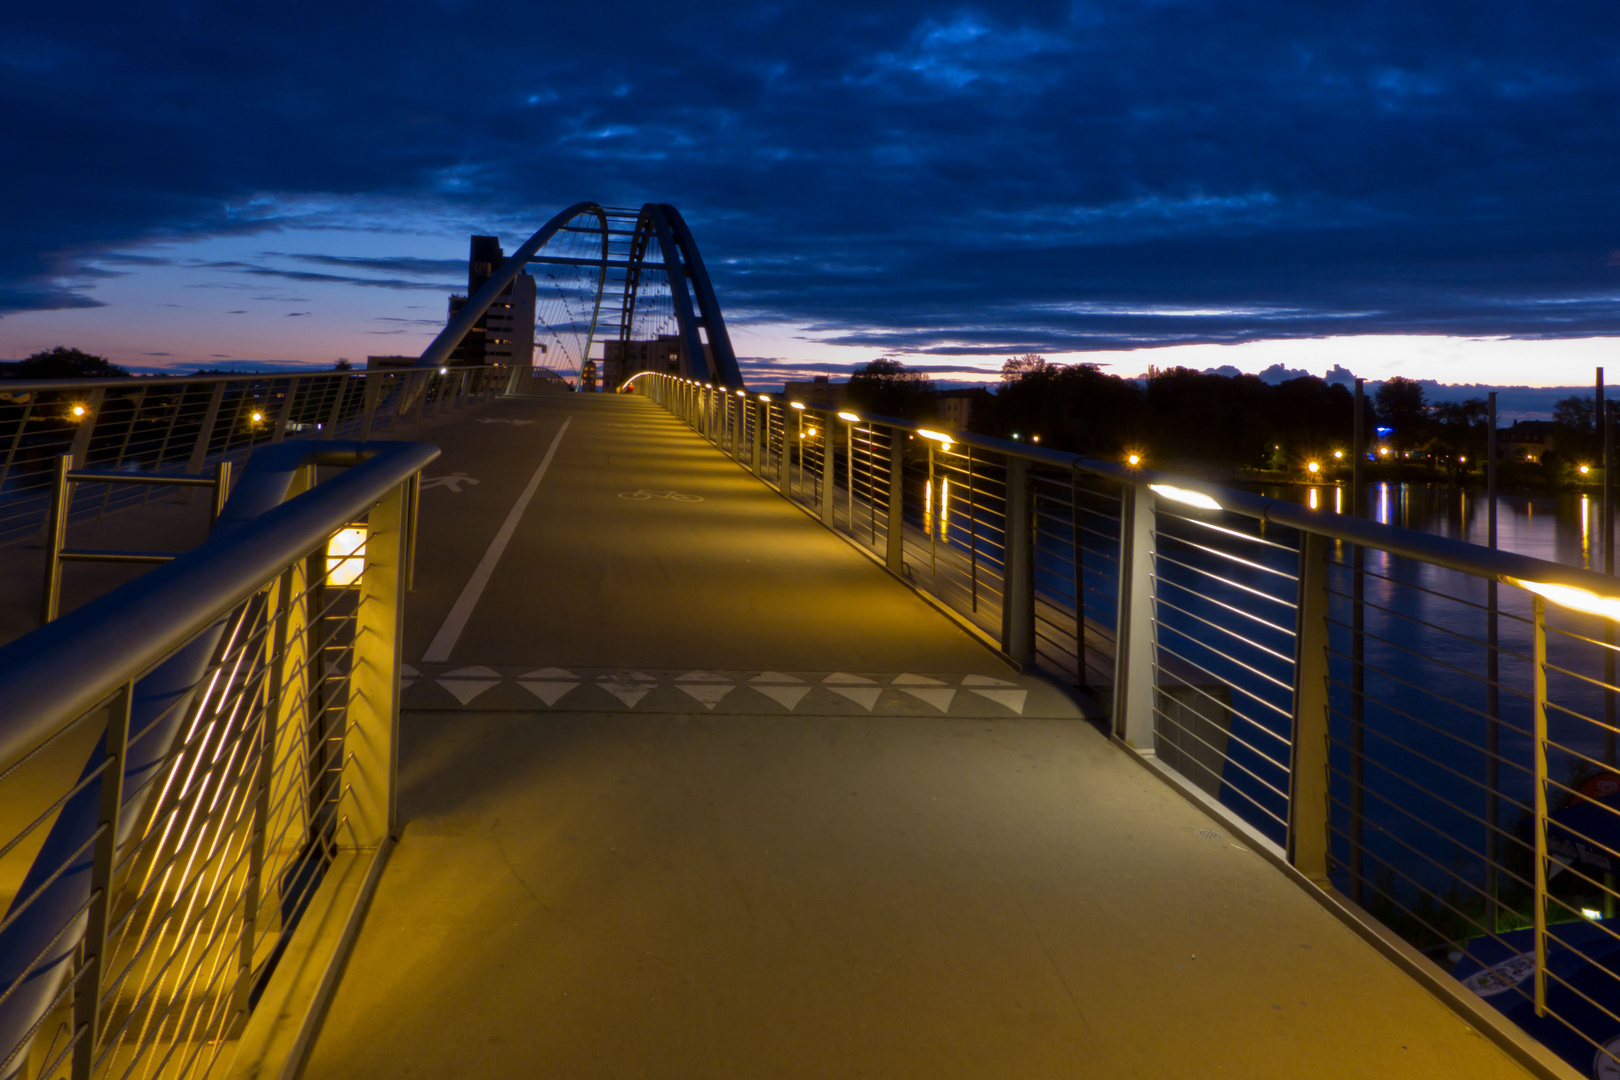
point(688, 732)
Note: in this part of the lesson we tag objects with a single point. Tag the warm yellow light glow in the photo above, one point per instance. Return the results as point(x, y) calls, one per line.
point(944, 501)
point(1312, 499)
point(1134, 459)
point(444, 371)
point(1034, 438)
point(1383, 451)
point(742, 393)
point(1312, 467)
point(1584, 469)
point(797, 404)
point(1462, 457)
point(345, 557)
point(851, 417)
point(811, 433)
point(928, 509)
point(1338, 455)
point(1182, 495)
point(78, 410)
point(764, 397)
point(937, 436)
point(1571, 597)
point(258, 418)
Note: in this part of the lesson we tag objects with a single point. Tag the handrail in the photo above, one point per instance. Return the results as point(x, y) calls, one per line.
point(1442, 551)
point(44, 678)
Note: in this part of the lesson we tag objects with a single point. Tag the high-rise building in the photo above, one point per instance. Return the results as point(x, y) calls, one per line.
point(505, 333)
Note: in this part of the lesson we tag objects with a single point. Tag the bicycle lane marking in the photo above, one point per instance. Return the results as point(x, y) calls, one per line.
point(455, 622)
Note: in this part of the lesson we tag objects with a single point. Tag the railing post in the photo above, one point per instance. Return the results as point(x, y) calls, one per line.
point(762, 419)
point(87, 988)
point(87, 426)
point(222, 491)
point(828, 471)
point(205, 433)
point(1538, 607)
point(371, 751)
point(369, 397)
point(1018, 601)
point(741, 404)
point(278, 607)
point(1133, 644)
point(334, 415)
point(55, 530)
point(1308, 777)
point(894, 556)
point(284, 414)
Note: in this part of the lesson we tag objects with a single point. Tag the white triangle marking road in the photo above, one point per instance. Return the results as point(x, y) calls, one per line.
point(865, 696)
point(464, 690)
point(548, 692)
point(708, 693)
point(915, 680)
point(1012, 699)
point(939, 699)
point(786, 696)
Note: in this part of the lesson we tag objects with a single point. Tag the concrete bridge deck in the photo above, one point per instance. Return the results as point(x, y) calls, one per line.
point(697, 790)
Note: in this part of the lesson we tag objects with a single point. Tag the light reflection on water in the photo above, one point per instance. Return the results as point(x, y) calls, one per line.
point(1562, 527)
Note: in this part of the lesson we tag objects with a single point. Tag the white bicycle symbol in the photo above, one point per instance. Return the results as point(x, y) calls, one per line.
point(673, 496)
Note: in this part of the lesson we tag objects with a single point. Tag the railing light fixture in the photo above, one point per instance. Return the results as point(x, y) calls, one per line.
point(346, 556)
point(764, 397)
point(1184, 495)
point(937, 436)
point(1571, 596)
point(851, 417)
point(797, 404)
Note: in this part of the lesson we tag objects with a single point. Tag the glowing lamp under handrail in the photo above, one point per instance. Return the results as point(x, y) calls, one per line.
point(851, 417)
point(1571, 596)
point(1183, 495)
point(797, 404)
point(742, 393)
point(937, 436)
point(764, 397)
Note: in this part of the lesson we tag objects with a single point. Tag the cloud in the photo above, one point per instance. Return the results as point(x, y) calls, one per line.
point(906, 176)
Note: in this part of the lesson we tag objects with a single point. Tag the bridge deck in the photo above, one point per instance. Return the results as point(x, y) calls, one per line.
point(657, 825)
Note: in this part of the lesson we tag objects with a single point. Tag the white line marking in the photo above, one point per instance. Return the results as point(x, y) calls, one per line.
point(456, 621)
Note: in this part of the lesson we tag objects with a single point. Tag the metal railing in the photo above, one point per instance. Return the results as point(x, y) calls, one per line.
point(185, 759)
point(1421, 727)
point(177, 425)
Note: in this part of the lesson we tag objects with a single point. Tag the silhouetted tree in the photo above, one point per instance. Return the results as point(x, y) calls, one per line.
point(888, 388)
point(1459, 432)
point(1401, 406)
point(343, 364)
point(1017, 367)
point(64, 363)
point(1576, 434)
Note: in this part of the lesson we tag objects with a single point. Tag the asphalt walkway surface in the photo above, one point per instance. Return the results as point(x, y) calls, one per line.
point(691, 788)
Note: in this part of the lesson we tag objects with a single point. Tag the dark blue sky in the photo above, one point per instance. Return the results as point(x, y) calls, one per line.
point(898, 176)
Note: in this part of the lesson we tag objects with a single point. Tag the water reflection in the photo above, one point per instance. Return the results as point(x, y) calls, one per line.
point(1563, 527)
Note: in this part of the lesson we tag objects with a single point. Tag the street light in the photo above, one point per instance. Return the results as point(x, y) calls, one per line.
point(1338, 455)
point(78, 412)
point(1134, 460)
point(1584, 469)
point(1312, 467)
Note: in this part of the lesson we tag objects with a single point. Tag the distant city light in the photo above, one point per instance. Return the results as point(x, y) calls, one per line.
point(1338, 455)
point(1034, 438)
point(1383, 451)
point(1312, 467)
point(444, 371)
point(1134, 459)
point(78, 410)
point(1584, 469)
point(258, 418)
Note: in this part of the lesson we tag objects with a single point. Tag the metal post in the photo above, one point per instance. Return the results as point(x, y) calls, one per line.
point(1607, 532)
point(1018, 599)
point(1308, 778)
point(849, 469)
point(415, 495)
point(1133, 643)
point(284, 414)
point(762, 420)
point(335, 414)
point(1493, 724)
point(931, 518)
point(87, 988)
point(371, 742)
point(369, 397)
point(740, 403)
point(55, 530)
point(1358, 652)
point(222, 491)
point(1077, 535)
point(894, 556)
point(829, 463)
point(279, 606)
point(1539, 608)
point(205, 433)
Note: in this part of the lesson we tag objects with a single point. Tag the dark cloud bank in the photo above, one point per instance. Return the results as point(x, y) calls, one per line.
point(979, 179)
